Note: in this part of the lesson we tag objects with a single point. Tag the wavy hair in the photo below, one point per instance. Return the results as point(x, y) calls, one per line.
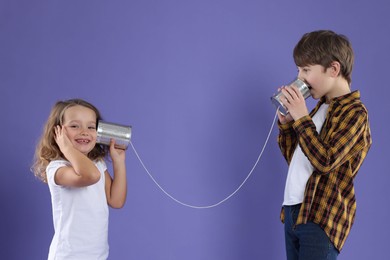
point(47, 149)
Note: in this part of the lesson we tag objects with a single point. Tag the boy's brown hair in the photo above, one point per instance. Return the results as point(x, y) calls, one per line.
point(324, 47)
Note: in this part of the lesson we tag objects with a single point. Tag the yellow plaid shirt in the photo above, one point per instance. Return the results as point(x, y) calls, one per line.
point(336, 153)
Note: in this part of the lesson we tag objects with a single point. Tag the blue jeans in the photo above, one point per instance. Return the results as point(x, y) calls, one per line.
point(306, 241)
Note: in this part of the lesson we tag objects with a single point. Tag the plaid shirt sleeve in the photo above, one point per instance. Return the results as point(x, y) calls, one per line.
point(287, 140)
point(341, 144)
point(336, 154)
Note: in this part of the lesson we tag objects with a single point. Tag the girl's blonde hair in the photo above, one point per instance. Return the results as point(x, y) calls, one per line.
point(47, 149)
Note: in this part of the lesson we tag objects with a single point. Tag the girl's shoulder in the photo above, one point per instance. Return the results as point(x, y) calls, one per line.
point(55, 164)
point(101, 165)
point(52, 168)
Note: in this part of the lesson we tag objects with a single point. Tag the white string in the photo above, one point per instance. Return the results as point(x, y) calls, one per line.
point(223, 200)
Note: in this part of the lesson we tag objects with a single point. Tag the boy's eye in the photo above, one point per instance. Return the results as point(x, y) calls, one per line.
point(303, 69)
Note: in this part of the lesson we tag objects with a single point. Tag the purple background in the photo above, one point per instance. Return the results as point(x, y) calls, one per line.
point(194, 79)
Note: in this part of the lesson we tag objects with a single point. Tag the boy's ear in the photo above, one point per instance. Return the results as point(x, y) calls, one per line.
point(334, 69)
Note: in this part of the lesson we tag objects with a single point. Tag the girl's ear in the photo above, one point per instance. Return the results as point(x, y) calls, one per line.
point(334, 69)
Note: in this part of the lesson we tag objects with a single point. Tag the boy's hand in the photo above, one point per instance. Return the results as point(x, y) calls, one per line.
point(284, 119)
point(294, 101)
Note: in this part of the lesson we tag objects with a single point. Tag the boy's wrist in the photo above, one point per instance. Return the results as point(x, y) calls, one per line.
point(286, 127)
point(298, 124)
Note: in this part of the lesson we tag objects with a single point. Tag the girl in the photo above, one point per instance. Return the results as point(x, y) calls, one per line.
point(68, 158)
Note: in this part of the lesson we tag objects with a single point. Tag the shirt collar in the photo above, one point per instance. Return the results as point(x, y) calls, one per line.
point(344, 99)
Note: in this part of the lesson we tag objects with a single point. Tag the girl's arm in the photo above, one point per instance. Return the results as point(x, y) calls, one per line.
point(116, 187)
point(83, 171)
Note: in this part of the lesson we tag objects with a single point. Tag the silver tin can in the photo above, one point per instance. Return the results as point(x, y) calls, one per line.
point(303, 88)
point(120, 133)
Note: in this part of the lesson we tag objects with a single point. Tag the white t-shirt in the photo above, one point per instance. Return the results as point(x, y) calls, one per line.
point(300, 168)
point(80, 217)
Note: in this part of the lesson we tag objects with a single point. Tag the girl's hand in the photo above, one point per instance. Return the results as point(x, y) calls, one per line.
point(62, 138)
point(116, 153)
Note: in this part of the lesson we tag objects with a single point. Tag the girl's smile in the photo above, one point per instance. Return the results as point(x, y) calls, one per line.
point(80, 123)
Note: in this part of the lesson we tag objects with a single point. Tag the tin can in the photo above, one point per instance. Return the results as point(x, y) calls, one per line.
point(120, 133)
point(303, 88)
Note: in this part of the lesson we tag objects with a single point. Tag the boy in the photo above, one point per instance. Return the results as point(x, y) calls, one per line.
point(324, 148)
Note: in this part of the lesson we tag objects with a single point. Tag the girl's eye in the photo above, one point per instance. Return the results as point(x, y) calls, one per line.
point(92, 128)
point(73, 126)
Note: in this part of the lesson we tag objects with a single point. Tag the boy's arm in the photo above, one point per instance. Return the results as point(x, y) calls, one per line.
point(351, 136)
point(116, 187)
point(287, 140)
